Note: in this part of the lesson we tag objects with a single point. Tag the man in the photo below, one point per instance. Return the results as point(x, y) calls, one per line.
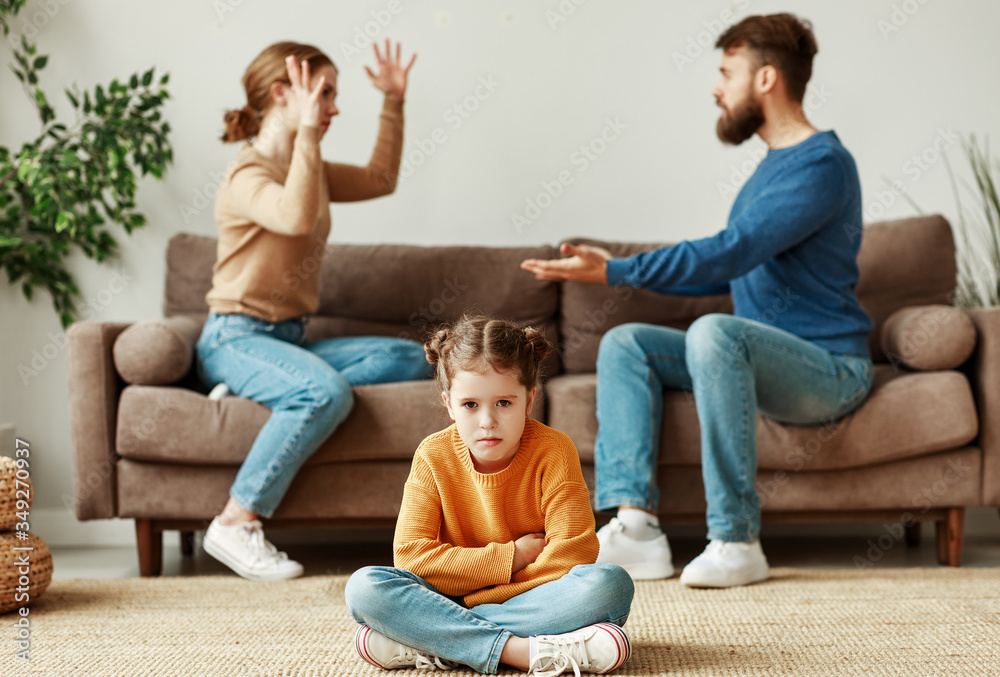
point(795, 348)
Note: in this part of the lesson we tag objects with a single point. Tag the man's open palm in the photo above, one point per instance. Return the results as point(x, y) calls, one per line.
point(584, 264)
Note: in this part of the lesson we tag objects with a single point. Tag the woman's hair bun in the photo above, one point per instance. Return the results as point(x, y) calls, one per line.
point(241, 124)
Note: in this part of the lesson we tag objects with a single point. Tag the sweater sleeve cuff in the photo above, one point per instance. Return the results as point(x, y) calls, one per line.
point(618, 272)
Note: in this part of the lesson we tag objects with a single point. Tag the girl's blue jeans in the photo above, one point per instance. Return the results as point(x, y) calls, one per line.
point(406, 608)
point(735, 368)
point(307, 386)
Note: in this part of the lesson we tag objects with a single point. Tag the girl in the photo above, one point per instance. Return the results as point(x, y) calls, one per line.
point(495, 542)
point(273, 223)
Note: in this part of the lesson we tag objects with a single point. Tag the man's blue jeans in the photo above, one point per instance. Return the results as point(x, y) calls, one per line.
point(735, 367)
point(306, 386)
point(406, 608)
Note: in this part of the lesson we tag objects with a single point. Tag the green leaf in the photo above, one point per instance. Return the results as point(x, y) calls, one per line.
point(147, 77)
point(72, 99)
point(165, 79)
point(64, 221)
point(40, 62)
point(133, 82)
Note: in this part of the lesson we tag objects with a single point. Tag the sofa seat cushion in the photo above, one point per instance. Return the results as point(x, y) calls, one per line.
point(906, 415)
point(387, 423)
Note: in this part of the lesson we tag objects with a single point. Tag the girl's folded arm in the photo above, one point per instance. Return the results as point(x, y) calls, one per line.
point(452, 569)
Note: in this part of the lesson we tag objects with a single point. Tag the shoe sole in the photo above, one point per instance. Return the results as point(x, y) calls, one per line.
point(361, 644)
point(621, 641)
point(756, 578)
point(223, 556)
point(648, 571)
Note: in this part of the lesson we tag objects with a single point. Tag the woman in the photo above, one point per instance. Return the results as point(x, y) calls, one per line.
point(273, 222)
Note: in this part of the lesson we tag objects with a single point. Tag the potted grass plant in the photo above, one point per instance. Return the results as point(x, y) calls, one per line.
point(978, 227)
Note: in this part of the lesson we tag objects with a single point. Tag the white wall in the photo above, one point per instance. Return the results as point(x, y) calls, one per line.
point(891, 77)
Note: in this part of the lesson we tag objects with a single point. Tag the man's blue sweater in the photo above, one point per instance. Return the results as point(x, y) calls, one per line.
point(788, 254)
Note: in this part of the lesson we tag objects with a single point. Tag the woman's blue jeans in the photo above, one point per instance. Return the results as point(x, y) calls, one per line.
point(306, 386)
point(735, 367)
point(406, 608)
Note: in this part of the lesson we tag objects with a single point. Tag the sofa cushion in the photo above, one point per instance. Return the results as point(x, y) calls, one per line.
point(929, 338)
point(392, 290)
point(909, 262)
point(892, 424)
point(901, 263)
point(156, 351)
point(387, 423)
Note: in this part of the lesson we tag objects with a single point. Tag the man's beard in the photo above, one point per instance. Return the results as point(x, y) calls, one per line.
point(742, 123)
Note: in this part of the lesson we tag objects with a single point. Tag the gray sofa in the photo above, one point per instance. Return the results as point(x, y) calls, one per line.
point(148, 445)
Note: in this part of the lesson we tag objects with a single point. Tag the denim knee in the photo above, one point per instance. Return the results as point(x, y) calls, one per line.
point(621, 342)
point(327, 395)
point(358, 592)
point(712, 337)
point(612, 586)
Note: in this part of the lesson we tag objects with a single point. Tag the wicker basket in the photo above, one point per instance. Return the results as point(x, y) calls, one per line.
point(8, 493)
point(39, 574)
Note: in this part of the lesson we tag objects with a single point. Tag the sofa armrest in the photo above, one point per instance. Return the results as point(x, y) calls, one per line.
point(94, 390)
point(985, 376)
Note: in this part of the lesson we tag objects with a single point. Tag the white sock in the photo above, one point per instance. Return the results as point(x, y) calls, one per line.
point(640, 525)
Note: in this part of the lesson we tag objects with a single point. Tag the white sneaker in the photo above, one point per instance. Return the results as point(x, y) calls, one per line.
point(725, 564)
point(243, 548)
point(387, 654)
point(596, 648)
point(643, 560)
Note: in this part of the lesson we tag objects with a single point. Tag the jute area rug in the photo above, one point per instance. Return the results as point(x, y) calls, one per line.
point(802, 622)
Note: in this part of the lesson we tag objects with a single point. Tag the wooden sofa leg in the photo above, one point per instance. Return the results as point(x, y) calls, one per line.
point(149, 540)
point(187, 543)
point(949, 533)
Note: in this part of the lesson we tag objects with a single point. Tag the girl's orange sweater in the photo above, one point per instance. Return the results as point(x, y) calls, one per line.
point(457, 527)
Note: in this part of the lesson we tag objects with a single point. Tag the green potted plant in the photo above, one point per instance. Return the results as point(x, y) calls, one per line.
point(61, 190)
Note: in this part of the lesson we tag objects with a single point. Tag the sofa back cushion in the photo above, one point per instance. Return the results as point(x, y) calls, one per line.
point(391, 290)
point(901, 263)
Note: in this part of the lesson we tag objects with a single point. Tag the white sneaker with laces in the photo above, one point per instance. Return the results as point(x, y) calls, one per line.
point(596, 648)
point(243, 548)
point(724, 564)
point(643, 560)
point(388, 654)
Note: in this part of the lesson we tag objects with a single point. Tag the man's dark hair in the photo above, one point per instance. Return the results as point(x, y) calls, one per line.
point(780, 40)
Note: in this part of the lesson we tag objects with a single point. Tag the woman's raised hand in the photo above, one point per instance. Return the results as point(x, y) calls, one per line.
point(391, 77)
point(308, 99)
